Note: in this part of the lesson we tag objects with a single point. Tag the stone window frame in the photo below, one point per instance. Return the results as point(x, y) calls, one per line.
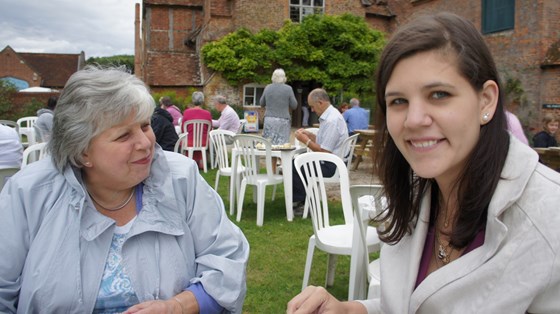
point(254, 96)
point(299, 9)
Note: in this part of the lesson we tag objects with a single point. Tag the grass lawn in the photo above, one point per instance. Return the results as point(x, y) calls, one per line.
point(278, 252)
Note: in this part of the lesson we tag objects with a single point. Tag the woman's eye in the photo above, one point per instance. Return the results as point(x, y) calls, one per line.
point(397, 101)
point(123, 137)
point(440, 95)
point(146, 127)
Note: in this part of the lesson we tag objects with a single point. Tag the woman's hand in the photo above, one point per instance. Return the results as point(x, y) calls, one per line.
point(156, 307)
point(317, 300)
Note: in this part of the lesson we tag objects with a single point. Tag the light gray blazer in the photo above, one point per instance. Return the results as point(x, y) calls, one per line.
point(516, 270)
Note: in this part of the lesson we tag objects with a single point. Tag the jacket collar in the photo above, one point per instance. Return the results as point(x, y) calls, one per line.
point(160, 211)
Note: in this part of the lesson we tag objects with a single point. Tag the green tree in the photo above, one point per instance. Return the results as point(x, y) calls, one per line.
point(340, 52)
point(7, 91)
point(116, 61)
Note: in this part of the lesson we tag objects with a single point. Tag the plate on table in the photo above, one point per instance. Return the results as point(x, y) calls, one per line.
point(277, 147)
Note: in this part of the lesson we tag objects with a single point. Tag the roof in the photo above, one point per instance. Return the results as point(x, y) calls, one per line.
point(54, 68)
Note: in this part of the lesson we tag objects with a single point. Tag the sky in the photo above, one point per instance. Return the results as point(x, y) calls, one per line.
point(99, 28)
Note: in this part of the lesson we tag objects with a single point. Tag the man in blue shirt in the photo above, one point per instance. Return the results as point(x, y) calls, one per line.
point(356, 117)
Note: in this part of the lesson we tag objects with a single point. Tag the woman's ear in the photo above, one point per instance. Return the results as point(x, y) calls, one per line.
point(488, 101)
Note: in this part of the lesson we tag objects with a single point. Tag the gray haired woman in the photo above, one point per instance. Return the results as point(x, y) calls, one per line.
point(112, 223)
point(278, 98)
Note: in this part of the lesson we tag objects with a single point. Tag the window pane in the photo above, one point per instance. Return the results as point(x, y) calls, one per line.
point(296, 2)
point(319, 3)
point(294, 14)
point(260, 91)
point(306, 2)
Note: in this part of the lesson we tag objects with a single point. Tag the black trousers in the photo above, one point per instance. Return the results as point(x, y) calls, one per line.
point(328, 169)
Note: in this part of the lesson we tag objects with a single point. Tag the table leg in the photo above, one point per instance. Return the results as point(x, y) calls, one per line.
point(287, 174)
point(232, 182)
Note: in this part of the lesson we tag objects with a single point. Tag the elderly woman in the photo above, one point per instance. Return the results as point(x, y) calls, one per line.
point(112, 222)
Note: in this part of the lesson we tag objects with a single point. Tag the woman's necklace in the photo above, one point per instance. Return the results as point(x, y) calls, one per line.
point(121, 206)
point(444, 251)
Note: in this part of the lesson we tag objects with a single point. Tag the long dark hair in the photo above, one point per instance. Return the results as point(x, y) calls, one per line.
point(456, 36)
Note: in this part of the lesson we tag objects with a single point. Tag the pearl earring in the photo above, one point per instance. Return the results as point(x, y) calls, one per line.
point(87, 164)
point(485, 116)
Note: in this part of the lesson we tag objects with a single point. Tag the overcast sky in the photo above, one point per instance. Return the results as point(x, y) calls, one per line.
point(99, 28)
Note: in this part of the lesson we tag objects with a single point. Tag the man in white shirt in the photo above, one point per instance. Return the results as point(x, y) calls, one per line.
point(11, 150)
point(229, 120)
point(332, 133)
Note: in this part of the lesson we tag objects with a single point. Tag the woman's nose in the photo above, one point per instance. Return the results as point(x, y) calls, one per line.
point(144, 141)
point(417, 115)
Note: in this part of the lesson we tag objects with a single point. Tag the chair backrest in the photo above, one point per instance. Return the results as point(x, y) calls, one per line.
point(198, 130)
point(247, 146)
point(27, 122)
point(33, 153)
point(347, 149)
point(359, 261)
point(5, 174)
point(308, 167)
point(181, 142)
point(219, 140)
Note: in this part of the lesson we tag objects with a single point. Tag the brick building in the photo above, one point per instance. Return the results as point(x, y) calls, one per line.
point(50, 70)
point(524, 37)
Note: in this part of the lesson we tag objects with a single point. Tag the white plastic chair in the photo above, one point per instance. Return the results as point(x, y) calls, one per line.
point(361, 270)
point(247, 147)
point(26, 128)
point(33, 153)
point(218, 139)
point(345, 154)
point(200, 130)
point(332, 239)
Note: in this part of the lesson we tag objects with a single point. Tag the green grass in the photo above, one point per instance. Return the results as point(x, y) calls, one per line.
point(278, 252)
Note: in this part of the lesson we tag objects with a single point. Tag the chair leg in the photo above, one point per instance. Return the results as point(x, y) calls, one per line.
point(240, 197)
point(217, 180)
point(203, 153)
point(261, 195)
point(308, 262)
point(331, 267)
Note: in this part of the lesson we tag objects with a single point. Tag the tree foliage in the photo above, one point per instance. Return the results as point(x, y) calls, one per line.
point(339, 52)
point(114, 61)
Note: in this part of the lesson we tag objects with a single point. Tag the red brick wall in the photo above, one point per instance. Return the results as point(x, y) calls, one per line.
point(12, 66)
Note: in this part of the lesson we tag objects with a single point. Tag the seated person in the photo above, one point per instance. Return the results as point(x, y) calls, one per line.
point(196, 112)
point(43, 125)
point(330, 136)
point(162, 125)
point(356, 117)
point(229, 120)
point(112, 223)
point(11, 150)
point(547, 137)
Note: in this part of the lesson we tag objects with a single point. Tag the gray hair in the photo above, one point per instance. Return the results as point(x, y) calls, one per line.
point(220, 100)
point(279, 76)
point(198, 98)
point(93, 100)
point(319, 94)
point(354, 102)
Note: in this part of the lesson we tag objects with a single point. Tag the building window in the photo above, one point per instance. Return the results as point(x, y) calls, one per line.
point(252, 94)
point(302, 8)
point(497, 15)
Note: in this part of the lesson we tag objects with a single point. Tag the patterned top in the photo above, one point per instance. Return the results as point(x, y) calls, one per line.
point(116, 293)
